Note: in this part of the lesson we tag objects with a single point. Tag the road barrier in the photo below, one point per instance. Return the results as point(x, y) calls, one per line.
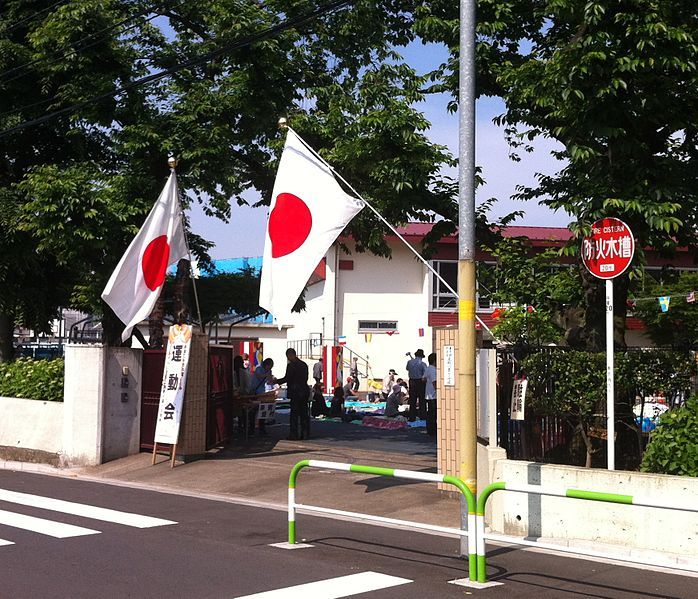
point(477, 561)
point(394, 473)
point(571, 493)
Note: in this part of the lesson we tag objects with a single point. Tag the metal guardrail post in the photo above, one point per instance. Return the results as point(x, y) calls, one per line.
point(571, 493)
point(395, 473)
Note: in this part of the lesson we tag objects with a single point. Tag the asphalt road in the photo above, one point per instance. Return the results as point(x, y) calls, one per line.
point(222, 550)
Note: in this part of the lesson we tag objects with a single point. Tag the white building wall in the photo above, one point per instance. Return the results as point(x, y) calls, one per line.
point(375, 289)
point(382, 289)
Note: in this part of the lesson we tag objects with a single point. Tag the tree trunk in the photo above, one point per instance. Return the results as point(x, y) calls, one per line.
point(7, 329)
point(593, 333)
point(180, 306)
point(155, 325)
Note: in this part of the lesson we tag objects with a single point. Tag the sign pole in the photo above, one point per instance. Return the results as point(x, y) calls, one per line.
point(610, 381)
point(607, 253)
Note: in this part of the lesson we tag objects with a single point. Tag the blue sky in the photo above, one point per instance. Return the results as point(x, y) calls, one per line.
point(244, 235)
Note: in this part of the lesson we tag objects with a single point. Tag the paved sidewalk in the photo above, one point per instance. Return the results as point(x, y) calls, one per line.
point(258, 469)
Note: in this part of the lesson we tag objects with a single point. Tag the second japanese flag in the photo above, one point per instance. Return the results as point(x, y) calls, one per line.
point(135, 285)
point(308, 212)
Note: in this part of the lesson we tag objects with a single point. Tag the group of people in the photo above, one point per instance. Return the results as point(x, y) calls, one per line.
point(262, 380)
point(419, 390)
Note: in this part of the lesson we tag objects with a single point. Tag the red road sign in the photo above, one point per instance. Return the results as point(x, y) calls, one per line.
point(609, 250)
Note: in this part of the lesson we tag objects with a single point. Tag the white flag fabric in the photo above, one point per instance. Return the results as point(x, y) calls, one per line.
point(308, 212)
point(135, 285)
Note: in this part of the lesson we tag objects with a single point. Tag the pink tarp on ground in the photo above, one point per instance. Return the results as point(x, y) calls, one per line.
point(387, 423)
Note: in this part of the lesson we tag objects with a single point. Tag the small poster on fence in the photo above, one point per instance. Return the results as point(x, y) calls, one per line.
point(518, 399)
point(174, 381)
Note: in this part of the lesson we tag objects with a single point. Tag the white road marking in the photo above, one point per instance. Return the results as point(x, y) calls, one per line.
point(82, 509)
point(44, 527)
point(334, 588)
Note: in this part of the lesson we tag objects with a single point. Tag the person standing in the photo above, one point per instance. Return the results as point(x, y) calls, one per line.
point(430, 394)
point(296, 379)
point(388, 383)
point(318, 367)
point(261, 379)
point(416, 370)
point(354, 374)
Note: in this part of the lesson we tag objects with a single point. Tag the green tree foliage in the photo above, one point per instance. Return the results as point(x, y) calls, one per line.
point(678, 327)
point(527, 328)
point(673, 448)
point(615, 84)
point(83, 181)
point(571, 385)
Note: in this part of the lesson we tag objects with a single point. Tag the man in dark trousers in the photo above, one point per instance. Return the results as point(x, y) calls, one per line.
point(296, 379)
point(416, 370)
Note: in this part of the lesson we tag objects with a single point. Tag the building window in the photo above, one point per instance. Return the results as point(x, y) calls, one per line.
point(441, 297)
point(377, 326)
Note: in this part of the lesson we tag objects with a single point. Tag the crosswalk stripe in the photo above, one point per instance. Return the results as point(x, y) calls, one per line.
point(82, 509)
point(334, 588)
point(44, 527)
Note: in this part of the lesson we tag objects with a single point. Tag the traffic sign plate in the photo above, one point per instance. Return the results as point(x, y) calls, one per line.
point(609, 250)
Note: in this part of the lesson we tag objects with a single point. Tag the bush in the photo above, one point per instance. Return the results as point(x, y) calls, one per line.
point(32, 379)
point(674, 445)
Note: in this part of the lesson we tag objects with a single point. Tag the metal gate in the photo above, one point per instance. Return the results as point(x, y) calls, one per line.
point(153, 367)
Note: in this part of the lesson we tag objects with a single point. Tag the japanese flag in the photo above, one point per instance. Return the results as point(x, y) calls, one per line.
point(135, 285)
point(308, 212)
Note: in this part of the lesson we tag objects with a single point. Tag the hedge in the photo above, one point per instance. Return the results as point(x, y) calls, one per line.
point(32, 379)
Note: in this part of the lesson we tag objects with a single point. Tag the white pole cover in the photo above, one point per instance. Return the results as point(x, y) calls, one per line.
point(308, 211)
point(136, 283)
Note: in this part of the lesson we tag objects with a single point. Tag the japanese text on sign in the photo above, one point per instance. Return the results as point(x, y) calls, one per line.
point(174, 382)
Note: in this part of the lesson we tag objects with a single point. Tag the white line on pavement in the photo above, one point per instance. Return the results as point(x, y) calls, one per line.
point(84, 510)
point(334, 588)
point(44, 527)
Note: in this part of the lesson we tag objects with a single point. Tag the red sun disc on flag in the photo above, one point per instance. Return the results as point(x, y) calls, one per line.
point(609, 250)
point(289, 224)
point(154, 262)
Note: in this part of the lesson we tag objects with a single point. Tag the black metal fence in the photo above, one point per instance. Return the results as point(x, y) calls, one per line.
point(556, 438)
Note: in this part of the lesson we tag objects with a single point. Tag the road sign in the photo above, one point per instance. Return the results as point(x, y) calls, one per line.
point(609, 250)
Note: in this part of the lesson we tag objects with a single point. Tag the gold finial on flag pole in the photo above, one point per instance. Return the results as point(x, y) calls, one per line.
point(283, 123)
point(172, 162)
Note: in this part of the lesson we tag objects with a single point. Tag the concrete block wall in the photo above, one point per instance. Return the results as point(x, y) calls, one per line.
point(31, 424)
point(122, 402)
point(642, 529)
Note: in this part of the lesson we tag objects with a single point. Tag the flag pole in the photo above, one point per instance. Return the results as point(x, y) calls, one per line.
point(283, 124)
point(172, 163)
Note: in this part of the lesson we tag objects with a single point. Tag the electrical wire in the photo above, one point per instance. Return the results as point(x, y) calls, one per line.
point(30, 17)
point(75, 51)
point(302, 19)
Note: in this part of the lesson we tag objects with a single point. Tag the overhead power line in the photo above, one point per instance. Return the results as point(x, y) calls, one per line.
point(78, 49)
point(207, 57)
point(31, 17)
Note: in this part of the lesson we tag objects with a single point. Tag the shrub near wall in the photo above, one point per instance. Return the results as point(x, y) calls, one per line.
point(32, 379)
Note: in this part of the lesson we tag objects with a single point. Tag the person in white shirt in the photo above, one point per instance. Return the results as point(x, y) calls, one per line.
point(388, 383)
point(317, 371)
point(430, 394)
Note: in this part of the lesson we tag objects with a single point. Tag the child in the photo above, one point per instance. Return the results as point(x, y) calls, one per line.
point(337, 407)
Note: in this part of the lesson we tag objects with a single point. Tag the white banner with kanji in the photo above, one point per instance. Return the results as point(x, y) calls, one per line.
point(174, 382)
point(518, 399)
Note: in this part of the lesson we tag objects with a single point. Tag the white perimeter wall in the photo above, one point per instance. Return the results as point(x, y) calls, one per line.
point(98, 420)
point(638, 530)
point(29, 423)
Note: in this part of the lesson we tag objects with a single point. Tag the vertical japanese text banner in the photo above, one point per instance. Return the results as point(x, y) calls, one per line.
point(174, 383)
